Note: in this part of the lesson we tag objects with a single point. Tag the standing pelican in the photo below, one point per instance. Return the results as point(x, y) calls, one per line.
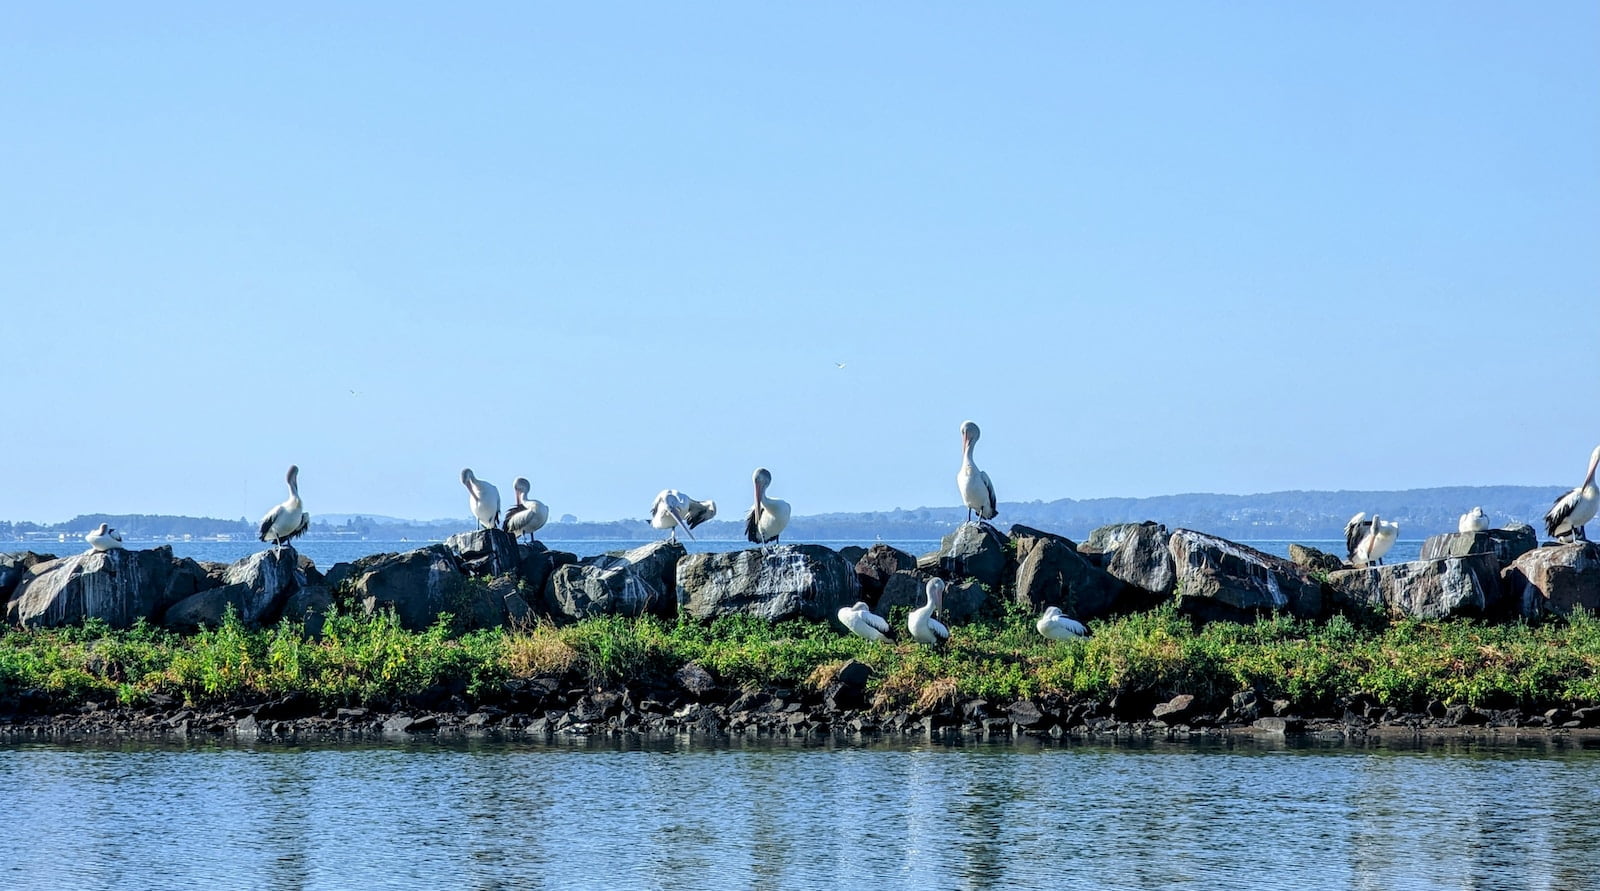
point(483, 498)
point(976, 490)
point(924, 627)
point(288, 519)
point(1474, 520)
point(863, 622)
point(1565, 520)
point(1056, 626)
point(105, 538)
point(1368, 540)
point(673, 509)
point(527, 515)
point(768, 516)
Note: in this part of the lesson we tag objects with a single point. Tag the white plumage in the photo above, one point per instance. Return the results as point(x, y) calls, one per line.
point(1474, 520)
point(528, 515)
point(768, 517)
point(923, 626)
point(1056, 626)
point(863, 622)
point(672, 509)
point(483, 498)
point(104, 539)
point(1368, 540)
point(288, 519)
point(977, 493)
point(1566, 518)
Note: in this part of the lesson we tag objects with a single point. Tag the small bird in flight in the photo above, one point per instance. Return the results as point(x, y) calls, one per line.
point(838, 365)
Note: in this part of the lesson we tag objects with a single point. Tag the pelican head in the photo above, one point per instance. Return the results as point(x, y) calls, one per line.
point(104, 528)
point(520, 485)
point(969, 433)
point(1594, 462)
point(859, 606)
point(762, 478)
point(936, 592)
point(1052, 613)
point(467, 479)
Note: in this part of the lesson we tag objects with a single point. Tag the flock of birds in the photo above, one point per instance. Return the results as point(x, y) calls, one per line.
point(1367, 539)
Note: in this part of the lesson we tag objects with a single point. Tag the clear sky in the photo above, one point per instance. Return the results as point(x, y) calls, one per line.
point(1150, 248)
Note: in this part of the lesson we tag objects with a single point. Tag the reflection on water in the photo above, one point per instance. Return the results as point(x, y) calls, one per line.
point(490, 814)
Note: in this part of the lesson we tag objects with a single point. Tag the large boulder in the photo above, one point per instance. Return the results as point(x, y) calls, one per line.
point(631, 584)
point(257, 587)
point(1314, 559)
point(1505, 544)
point(908, 588)
point(1556, 579)
point(1142, 560)
point(1051, 572)
point(874, 568)
point(974, 550)
point(1421, 589)
point(1221, 579)
point(14, 566)
point(120, 587)
point(1104, 541)
point(418, 585)
point(535, 562)
point(485, 551)
point(776, 583)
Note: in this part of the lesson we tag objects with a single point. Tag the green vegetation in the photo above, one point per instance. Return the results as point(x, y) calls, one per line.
point(371, 660)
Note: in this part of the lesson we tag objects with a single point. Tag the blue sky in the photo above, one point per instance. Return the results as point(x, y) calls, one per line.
point(1151, 249)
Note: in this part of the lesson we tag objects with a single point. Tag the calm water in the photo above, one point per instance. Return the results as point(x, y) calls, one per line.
point(493, 815)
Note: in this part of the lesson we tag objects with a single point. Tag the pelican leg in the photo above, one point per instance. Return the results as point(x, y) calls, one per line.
point(1579, 535)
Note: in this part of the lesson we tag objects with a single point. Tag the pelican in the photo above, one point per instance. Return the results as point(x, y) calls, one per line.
point(863, 622)
point(527, 515)
point(1368, 540)
point(673, 509)
point(768, 516)
point(1056, 626)
point(288, 519)
point(105, 538)
point(1474, 520)
point(1565, 520)
point(483, 498)
point(924, 627)
point(976, 490)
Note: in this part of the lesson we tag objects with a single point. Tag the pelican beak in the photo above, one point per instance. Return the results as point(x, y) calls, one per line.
point(682, 523)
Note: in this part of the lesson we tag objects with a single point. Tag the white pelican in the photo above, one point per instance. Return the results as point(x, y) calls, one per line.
point(527, 515)
point(863, 622)
point(1565, 520)
point(1056, 626)
point(105, 538)
point(483, 498)
point(1474, 520)
point(976, 490)
point(673, 509)
point(924, 627)
point(768, 516)
point(288, 519)
point(1368, 540)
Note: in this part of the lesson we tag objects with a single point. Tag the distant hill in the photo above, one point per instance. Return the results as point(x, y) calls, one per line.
point(1271, 515)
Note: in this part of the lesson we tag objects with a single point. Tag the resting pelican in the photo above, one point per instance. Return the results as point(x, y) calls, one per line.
point(1056, 626)
point(924, 627)
point(1368, 540)
point(976, 490)
point(527, 515)
point(105, 538)
point(483, 498)
point(768, 516)
point(288, 519)
point(1474, 520)
point(1565, 520)
point(863, 622)
point(673, 509)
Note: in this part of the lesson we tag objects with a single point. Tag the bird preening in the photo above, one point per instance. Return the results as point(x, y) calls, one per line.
point(673, 509)
point(104, 539)
point(768, 516)
point(1368, 540)
point(1566, 518)
point(923, 626)
point(1474, 520)
point(483, 499)
point(977, 493)
point(289, 519)
point(861, 621)
point(528, 515)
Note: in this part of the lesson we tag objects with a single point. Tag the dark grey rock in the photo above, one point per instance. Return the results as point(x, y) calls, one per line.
point(874, 568)
point(1555, 580)
point(639, 582)
point(310, 606)
point(14, 566)
point(119, 587)
point(854, 673)
point(397, 724)
point(1143, 561)
point(483, 601)
point(263, 582)
point(205, 609)
point(1505, 544)
point(485, 551)
point(1313, 559)
point(1176, 710)
point(418, 585)
point(1422, 589)
point(974, 550)
point(1280, 725)
point(189, 578)
point(904, 588)
point(695, 680)
point(776, 582)
point(1051, 572)
point(1220, 579)
point(1026, 713)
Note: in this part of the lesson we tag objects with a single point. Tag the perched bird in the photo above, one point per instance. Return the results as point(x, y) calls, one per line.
point(483, 498)
point(672, 509)
point(924, 627)
point(1368, 540)
point(1474, 520)
point(768, 516)
point(1056, 626)
point(527, 515)
point(288, 519)
point(863, 622)
point(976, 490)
point(1565, 520)
point(104, 539)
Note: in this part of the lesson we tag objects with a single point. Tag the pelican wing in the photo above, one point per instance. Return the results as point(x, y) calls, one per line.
point(114, 534)
point(1560, 511)
point(698, 512)
point(511, 512)
point(994, 504)
point(1353, 532)
point(876, 621)
point(267, 522)
point(938, 629)
point(671, 504)
point(752, 529)
point(305, 523)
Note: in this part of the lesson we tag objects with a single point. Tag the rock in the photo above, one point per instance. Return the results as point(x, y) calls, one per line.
point(695, 680)
point(854, 673)
point(483, 601)
point(1555, 580)
point(1025, 713)
point(638, 582)
point(904, 588)
point(264, 580)
point(1220, 579)
point(418, 585)
point(189, 578)
point(518, 613)
point(852, 553)
point(485, 551)
point(397, 724)
point(775, 582)
point(1143, 561)
point(1175, 710)
point(974, 550)
point(205, 609)
point(1506, 544)
point(1421, 589)
point(536, 562)
point(14, 566)
point(1313, 559)
point(119, 587)
point(310, 606)
point(1280, 725)
point(1051, 572)
point(875, 567)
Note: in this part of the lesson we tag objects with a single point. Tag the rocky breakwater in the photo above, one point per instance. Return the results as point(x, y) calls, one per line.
point(1464, 574)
